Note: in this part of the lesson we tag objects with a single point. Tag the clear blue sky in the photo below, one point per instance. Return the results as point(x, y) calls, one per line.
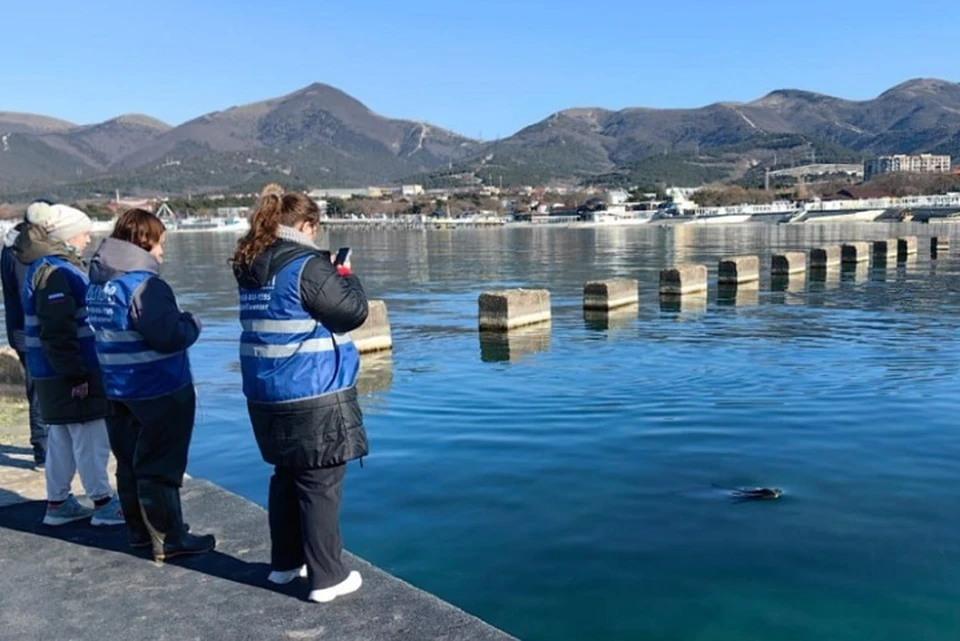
point(490, 66)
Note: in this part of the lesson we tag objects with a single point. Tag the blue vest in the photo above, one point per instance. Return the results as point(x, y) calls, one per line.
point(37, 363)
point(132, 370)
point(286, 355)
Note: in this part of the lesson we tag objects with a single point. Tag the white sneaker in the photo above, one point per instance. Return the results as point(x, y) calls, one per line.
point(348, 586)
point(282, 578)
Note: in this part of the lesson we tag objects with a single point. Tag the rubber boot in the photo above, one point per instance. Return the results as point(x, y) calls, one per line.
point(160, 506)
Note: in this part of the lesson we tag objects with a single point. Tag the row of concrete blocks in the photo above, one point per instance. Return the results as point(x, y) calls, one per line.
point(738, 270)
point(503, 310)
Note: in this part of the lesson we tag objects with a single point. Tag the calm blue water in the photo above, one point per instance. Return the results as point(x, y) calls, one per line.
point(559, 484)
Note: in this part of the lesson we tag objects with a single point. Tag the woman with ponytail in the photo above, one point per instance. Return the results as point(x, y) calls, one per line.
point(299, 373)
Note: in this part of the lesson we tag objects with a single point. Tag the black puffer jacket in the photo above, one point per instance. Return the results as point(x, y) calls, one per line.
point(323, 431)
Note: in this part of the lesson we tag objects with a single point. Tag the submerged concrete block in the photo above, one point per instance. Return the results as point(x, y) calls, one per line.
point(505, 309)
point(906, 246)
point(683, 279)
point(825, 257)
point(738, 269)
point(604, 295)
point(853, 253)
point(502, 346)
point(885, 251)
point(374, 335)
point(788, 263)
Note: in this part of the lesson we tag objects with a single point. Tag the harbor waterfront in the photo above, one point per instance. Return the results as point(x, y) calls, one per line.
point(563, 480)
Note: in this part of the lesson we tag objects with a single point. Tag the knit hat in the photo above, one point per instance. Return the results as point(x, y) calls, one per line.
point(39, 212)
point(61, 222)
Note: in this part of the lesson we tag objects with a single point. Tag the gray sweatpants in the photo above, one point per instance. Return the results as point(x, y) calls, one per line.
point(82, 447)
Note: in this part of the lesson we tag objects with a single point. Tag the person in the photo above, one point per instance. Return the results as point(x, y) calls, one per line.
point(62, 362)
point(142, 339)
point(299, 372)
point(12, 273)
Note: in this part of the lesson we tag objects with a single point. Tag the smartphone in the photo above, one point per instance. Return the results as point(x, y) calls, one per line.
point(343, 255)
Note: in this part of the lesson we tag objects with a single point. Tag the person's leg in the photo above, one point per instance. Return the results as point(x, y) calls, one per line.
point(60, 466)
point(318, 494)
point(123, 431)
point(62, 507)
point(38, 430)
point(286, 542)
point(159, 464)
point(91, 448)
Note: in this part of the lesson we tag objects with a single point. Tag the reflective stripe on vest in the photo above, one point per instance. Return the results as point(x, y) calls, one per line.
point(37, 363)
point(132, 370)
point(286, 355)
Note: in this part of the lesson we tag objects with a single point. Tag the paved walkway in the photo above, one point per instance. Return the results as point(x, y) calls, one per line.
point(77, 582)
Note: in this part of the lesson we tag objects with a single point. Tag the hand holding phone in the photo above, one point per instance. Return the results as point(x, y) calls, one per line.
point(343, 257)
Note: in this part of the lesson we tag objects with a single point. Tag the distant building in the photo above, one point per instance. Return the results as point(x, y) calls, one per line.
point(344, 193)
point(920, 164)
point(411, 190)
point(232, 212)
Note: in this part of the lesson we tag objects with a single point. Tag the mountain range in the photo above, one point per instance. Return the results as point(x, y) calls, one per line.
point(320, 136)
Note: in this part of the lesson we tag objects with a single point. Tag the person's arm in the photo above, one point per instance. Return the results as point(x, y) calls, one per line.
point(334, 297)
point(156, 315)
point(56, 312)
point(12, 307)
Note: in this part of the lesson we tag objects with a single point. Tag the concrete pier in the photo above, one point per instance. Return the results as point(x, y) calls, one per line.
point(825, 257)
point(619, 318)
point(683, 279)
point(885, 252)
point(906, 246)
point(506, 309)
point(604, 295)
point(853, 253)
point(374, 335)
point(939, 245)
point(111, 591)
point(695, 303)
point(738, 270)
point(739, 295)
point(788, 264)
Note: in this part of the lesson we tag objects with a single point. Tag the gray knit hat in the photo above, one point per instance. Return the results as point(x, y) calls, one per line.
point(61, 222)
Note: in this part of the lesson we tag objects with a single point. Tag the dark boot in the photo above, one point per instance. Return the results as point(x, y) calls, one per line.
point(160, 505)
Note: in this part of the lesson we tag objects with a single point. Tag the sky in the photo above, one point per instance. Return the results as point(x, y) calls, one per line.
point(482, 68)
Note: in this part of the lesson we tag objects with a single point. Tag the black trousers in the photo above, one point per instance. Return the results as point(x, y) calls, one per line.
point(304, 510)
point(38, 430)
point(150, 440)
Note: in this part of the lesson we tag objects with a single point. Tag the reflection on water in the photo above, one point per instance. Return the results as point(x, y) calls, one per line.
point(603, 321)
point(561, 468)
point(497, 347)
point(740, 295)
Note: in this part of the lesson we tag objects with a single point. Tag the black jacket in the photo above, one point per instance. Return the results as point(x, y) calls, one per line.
point(58, 335)
point(323, 431)
point(12, 273)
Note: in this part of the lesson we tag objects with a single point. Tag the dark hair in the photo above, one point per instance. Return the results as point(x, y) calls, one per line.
point(140, 227)
point(275, 209)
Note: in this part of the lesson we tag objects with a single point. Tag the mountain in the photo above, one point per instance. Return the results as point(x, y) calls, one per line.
point(916, 116)
point(320, 136)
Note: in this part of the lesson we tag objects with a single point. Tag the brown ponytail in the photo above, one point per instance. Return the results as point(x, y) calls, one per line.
point(275, 209)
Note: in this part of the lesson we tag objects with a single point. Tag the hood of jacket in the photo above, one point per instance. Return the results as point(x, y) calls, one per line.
point(32, 244)
point(10, 238)
point(290, 245)
point(116, 257)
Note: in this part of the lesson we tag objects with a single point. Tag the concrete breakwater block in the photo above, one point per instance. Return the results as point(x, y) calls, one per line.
point(505, 309)
point(788, 263)
point(825, 257)
point(853, 253)
point(738, 269)
point(374, 335)
point(604, 295)
point(683, 279)
point(906, 246)
point(885, 251)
